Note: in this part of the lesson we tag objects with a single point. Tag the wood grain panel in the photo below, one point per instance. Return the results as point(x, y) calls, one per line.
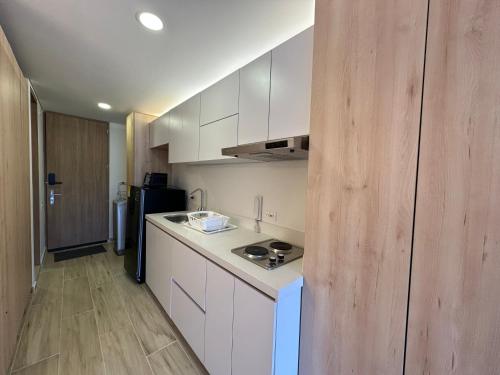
point(15, 236)
point(140, 157)
point(77, 151)
point(454, 321)
point(366, 99)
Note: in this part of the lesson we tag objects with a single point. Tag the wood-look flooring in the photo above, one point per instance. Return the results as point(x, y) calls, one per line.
point(88, 317)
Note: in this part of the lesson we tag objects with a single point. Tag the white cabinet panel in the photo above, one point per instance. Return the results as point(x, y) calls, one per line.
point(291, 76)
point(253, 331)
point(219, 320)
point(189, 319)
point(217, 135)
point(159, 264)
point(220, 100)
point(185, 131)
point(158, 131)
point(189, 270)
point(255, 81)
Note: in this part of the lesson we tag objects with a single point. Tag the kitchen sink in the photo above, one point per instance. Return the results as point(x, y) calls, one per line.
point(177, 218)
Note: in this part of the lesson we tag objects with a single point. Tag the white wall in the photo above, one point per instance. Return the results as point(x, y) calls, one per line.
point(231, 189)
point(117, 164)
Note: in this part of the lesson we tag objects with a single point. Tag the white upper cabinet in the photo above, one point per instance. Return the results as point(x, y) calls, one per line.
point(220, 100)
point(158, 131)
point(255, 83)
point(184, 131)
point(291, 76)
point(217, 135)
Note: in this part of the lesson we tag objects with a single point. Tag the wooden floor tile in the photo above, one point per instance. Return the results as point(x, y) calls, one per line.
point(45, 367)
point(80, 346)
point(76, 296)
point(115, 263)
point(123, 354)
point(172, 361)
point(49, 287)
point(150, 324)
point(110, 310)
point(49, 264)
point(98, 269)
point(74, 268)
point(40, 337)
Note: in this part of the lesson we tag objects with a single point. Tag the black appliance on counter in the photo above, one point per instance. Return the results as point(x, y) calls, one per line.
point(152, 197)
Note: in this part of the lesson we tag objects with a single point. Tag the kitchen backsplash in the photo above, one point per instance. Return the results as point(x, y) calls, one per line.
point(231, 188)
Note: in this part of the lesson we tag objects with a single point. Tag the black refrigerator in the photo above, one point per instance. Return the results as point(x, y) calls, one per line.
point(142, 201)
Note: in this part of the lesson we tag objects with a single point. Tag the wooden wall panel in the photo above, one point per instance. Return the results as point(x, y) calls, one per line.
point(140, 157)
point(366, 99)
point(454, 321)
point(15, 234)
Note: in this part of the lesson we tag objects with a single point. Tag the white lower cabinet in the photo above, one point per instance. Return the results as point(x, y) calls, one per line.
point(219, 320)
point(253, 331)
point(158, 264)
point(233, 328)
point(189, 319)
point(189, 270)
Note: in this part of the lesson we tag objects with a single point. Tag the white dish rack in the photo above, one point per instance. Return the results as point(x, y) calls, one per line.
point(207, 221)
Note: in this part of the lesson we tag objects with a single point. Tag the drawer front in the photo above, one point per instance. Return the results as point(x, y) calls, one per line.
point(189, 319)
point(189, 270)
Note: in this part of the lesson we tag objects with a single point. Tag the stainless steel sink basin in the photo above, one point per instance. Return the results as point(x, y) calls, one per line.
point(177, 218)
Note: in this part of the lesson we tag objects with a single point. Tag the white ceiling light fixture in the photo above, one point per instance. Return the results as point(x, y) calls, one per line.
point(150, 21)
point(105, 106)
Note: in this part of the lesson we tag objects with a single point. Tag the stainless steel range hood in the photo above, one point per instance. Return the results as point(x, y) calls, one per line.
point(293, 148)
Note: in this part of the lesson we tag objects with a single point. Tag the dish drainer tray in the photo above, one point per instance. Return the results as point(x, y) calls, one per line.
point(226, 228)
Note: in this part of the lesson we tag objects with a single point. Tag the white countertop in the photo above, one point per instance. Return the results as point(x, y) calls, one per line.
point(217, 247)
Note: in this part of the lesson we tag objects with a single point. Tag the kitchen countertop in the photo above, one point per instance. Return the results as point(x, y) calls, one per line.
point(217, 247)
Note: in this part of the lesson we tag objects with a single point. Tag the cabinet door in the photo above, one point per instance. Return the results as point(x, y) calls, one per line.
point(255, 81)
point(253, 331)
point(216, 136)
point(291, 77)
point(189, 270)
point(175, 134)
point(218, 320)
point(158, 131)
point(159, 264)
point(221, 99)
point(189, 319)
point(185, 131)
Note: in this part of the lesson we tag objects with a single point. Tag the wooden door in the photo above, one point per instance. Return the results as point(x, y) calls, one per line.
point(454, 316)
point(77, 152)
point(365, 115)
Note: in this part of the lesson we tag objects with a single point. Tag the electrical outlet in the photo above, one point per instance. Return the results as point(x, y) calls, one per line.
point(272, 215)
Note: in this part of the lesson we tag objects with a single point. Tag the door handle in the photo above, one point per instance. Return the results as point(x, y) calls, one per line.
point(52, 197)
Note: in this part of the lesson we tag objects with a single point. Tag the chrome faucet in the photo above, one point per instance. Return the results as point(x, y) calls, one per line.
point(202, 198)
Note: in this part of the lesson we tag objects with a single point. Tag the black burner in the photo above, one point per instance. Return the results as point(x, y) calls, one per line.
point(280, 245)
point(258, 251)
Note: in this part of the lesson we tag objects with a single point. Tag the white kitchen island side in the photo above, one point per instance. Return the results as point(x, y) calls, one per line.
point(237, 317)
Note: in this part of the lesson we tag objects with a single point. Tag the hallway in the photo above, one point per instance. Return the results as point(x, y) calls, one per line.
point(88, 317)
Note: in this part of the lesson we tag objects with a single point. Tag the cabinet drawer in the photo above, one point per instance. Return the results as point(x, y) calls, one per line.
point(189, 319)
point(189, 270)
point(220, 100)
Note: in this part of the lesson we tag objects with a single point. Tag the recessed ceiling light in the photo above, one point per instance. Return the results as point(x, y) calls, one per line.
point(150, 21)
point(105, 106)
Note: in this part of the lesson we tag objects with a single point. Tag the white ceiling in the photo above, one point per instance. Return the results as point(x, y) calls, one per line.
point(80, 52)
